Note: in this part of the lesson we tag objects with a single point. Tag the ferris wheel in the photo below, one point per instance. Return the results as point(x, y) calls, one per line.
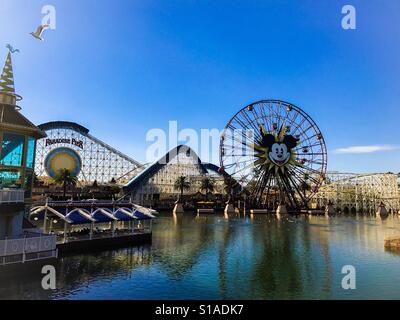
point(276, 152)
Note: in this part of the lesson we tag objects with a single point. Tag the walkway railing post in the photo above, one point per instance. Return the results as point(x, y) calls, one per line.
point(91, 230)
point(5, 247)
point(92, 223)
point(45, 217)
point(23, 250)
point(65, 231)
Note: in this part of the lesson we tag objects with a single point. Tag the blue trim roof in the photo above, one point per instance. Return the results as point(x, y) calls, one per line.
point(101, 217)
point(76, 218)
point(142, 216)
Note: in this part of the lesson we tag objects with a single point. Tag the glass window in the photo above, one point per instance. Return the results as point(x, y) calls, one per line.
point(30, 154)
point(28, 183)
point(12, 149)
point(10, 179)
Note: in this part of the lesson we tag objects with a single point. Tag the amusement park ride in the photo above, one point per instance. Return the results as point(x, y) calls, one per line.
point(276, 152)
point(70, 145)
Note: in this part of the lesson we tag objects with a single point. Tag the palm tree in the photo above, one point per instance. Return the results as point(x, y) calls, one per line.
point(231, 186)
point(207, 185)
point(181, 184)
point(65, 179)
point(35, 179)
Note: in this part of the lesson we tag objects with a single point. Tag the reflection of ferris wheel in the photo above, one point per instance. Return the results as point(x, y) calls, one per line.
point(276, 151)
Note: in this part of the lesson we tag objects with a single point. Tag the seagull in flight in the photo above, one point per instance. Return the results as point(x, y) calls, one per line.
point(12, 50)
point(39, 31)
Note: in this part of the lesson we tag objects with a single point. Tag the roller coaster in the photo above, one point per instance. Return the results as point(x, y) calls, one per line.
point(359, 193)
point(71, 144)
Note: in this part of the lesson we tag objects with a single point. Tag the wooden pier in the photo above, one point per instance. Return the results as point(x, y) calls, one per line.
point(200, 211)
point(259, 211)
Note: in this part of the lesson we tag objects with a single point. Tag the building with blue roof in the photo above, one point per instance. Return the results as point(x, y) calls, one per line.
point(155, 184)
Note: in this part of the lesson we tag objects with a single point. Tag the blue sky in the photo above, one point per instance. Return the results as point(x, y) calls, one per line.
point(123, 67)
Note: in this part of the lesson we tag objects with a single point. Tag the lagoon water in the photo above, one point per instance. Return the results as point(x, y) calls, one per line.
point(209, 257)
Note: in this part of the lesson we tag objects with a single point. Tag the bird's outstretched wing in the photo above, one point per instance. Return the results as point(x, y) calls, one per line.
point(39, 30)
point(42, 28)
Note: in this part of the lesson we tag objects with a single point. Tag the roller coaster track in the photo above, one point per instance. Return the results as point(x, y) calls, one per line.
point(360, 190)
point(100, 161)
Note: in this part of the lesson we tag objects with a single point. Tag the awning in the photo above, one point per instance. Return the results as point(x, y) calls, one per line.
point(39, 212)
point(142, 213)
point(142, 216)
point(103, 215)
point(124, 214)
point(78, 215)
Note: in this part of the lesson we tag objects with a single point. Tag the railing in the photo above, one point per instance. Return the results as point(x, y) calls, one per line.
point(27, 249)
point(12, 196)
point(108, 234)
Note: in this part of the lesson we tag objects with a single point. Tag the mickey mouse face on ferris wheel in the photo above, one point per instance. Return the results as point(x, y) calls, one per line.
point(279, 152)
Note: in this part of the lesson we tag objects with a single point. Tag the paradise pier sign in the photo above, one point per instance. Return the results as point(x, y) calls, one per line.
point(77, 143)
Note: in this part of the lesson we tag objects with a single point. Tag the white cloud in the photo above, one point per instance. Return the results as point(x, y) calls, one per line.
point(365, 149)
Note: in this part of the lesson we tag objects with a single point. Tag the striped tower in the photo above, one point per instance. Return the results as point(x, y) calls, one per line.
point(7, 89)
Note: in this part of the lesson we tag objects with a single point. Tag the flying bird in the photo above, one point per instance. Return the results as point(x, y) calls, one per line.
point(39, 31)
point(12, 50)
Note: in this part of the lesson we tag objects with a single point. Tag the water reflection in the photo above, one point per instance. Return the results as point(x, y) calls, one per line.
point(251, 257)
point(177, 246)
point(73, 273)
